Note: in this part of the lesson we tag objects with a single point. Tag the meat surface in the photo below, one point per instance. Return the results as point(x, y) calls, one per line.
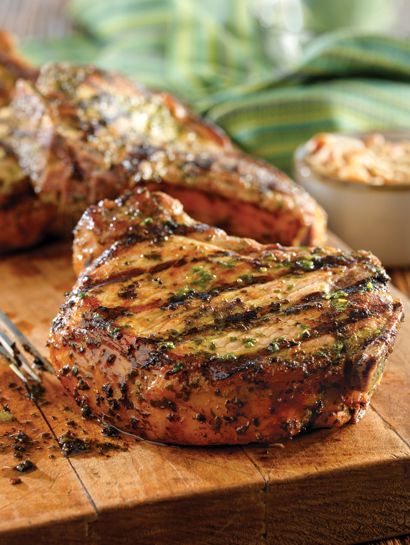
point(23, 218)
point(180, 333)
point(83, 134)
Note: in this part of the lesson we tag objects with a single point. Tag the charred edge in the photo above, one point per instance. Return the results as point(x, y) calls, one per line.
point(363, 371)
point(155, 233)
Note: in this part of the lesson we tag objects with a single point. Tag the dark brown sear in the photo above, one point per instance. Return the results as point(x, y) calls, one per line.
point(23, 217)
point(180, 333)
point(83, 134)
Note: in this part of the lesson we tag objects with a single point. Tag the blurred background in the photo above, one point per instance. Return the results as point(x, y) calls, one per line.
point(271, 72)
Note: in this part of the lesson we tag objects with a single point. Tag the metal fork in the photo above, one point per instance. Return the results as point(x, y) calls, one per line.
point(23, 357)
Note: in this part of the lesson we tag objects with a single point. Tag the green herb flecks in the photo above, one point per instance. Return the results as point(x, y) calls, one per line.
point(202, 276)
point(230, 264)
point(368, 287)
point(6, 416)
point(308, 263)
point(273, 347)
point(247, 278)
point(249, 342)
point(305, 331)
point(338, 300)
point(212, 346)
point(228, 356)
point(166, 345)
point(338, 348)
point(113, 331)
point(182, 295)
point(176, 369)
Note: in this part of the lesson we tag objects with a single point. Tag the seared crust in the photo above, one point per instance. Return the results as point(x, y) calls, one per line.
point(83, 134)
point(180, 333)
point(24, 219)
point(103, 225)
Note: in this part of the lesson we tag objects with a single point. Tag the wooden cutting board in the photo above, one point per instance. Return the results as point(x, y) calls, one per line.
point(328, 487)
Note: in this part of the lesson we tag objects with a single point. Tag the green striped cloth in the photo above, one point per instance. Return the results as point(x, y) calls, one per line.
point(212, 54)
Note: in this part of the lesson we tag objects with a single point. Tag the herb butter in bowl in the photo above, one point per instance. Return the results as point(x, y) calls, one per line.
point(363, 182)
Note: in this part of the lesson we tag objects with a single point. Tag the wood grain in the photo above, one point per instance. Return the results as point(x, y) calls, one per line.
point(32, 504)
point(330, 480)
point(349, 484)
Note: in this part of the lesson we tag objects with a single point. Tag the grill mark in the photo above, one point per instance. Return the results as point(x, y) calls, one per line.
point(138, 271)
point(251, 360)
point(129, 274)
point(280, 272)
point(220, 368)
point(255, 317)
point(172, 228)
point(330, 326)
point(118, 310)
point(290, 267)
point(138, 233)
point(176, 301)
point(247, 319)
point(203, 295)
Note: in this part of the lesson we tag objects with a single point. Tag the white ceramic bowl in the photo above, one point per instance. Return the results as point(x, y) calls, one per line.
point(375, 218)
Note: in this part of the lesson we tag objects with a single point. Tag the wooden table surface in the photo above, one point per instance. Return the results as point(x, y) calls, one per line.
point(35, 18)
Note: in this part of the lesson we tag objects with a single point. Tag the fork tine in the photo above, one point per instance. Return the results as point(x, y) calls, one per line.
point(25, 343)
point(17, 360)
point(12, 365)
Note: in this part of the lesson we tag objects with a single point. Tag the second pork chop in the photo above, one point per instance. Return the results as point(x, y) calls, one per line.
point(83, 134)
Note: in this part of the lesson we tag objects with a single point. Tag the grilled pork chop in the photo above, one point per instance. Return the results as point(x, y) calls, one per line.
point(180, 333)
point(23, 219)
point(83, 134)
